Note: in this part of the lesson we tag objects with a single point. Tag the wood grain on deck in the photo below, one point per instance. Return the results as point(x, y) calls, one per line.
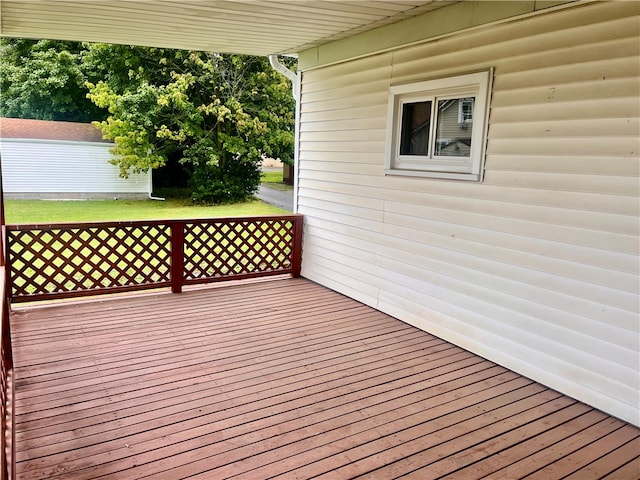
point(284, 379)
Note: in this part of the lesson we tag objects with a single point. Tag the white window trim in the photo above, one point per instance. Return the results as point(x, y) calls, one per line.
point(477, 85)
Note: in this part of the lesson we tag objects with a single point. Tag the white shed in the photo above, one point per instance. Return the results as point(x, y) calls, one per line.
point(47, 159)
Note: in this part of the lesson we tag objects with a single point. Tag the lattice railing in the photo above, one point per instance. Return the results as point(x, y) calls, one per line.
point(237, 248)
point(55, 261)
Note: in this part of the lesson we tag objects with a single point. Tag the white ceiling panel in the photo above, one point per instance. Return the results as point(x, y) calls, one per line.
point(258, 27)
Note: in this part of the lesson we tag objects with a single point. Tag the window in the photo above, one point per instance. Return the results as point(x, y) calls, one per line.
point(437, 128)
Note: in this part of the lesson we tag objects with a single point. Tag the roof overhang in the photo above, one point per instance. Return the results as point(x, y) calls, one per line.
point(257, 27)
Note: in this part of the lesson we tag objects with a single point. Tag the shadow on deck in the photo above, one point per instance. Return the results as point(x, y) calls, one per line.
point(285, 379)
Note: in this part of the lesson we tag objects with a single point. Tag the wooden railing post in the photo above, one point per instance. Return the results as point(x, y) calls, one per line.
point(8, 454)
point(177, 256)
point(7, 409)
point(296, 254)
point(2, 221)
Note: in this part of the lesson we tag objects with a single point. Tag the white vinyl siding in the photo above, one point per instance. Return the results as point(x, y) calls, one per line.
point(535, 268)
point(64, 168)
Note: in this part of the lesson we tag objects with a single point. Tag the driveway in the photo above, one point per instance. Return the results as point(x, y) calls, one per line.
point(274, 196)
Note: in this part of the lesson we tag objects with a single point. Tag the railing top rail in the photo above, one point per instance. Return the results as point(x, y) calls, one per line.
point(135, 223)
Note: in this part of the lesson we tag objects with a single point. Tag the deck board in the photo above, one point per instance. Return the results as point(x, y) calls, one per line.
point(283, 379)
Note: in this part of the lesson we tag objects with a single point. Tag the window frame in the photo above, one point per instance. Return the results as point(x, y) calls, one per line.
point(476, 85)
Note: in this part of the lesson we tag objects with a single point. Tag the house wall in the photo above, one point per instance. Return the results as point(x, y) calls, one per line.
point(63, 169)
point(535, 268)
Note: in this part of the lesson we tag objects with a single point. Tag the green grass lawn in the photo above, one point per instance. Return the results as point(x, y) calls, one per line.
point(48, 211)
point(271, 176)
point(274, 179)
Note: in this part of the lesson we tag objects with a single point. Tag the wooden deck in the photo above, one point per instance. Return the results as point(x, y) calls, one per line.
point(284, 379)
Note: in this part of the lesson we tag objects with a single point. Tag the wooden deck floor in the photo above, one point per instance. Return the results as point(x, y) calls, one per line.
point(284, 379)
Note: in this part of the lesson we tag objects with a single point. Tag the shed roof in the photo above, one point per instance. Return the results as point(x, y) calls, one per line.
point(49, 130)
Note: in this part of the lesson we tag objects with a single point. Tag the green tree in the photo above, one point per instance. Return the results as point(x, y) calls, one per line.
point(215, 115)
point(44, 79)
point(205, 117)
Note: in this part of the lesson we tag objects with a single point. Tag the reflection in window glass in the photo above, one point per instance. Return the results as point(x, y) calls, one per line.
point(416, 121)
point(454, 126)
point(465, 110)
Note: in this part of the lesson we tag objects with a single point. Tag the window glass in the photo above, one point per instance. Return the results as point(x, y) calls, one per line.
point(465, 110)
point(437, 128)
point(454, 125)
point(416, 123)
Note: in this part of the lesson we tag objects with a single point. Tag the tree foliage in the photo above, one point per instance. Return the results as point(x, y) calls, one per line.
point(44, 79)
point(216, 115)
point(208, 117)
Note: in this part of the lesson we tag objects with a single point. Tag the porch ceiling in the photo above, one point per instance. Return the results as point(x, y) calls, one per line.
point(257, 27)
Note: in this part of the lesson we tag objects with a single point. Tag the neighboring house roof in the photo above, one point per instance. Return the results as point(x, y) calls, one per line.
point(49, 130)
